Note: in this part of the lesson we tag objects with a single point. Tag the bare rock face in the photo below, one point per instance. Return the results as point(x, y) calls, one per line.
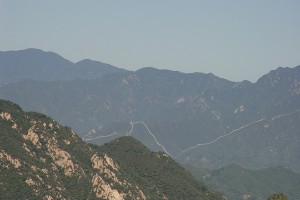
point(13, 161)
point(44, 160)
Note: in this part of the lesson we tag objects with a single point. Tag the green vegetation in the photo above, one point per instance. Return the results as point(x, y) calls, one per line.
point(157, 173)
point(182, 110)
point(277, 197)
point(40, 159)
point(235, 181)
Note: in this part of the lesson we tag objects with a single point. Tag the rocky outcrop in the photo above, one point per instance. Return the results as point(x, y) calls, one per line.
point(44, 160)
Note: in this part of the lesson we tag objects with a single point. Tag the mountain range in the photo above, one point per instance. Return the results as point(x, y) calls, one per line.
point(198, 119)
point(239, 132)
point(36, 64)
point(240, 183)
point(41, 159)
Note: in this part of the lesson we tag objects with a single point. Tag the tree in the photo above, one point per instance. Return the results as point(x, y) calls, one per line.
point(277, 196)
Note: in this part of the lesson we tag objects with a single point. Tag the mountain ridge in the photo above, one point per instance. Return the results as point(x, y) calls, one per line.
point(44, 160)
point(181, 110)
point(42, 65)
point(237, 182)
point(201, 106)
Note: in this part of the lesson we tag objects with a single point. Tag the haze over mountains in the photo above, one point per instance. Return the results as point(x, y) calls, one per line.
point(199, 119)
point(251, 124)
point(238, 183)
point(36, 64)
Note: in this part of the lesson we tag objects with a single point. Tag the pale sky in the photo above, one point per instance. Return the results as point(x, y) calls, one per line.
point(233, 39)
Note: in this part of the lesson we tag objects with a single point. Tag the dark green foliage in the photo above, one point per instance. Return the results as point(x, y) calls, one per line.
point(38, 176)
point(277, 197)
point(13, 186)
point(156, 173)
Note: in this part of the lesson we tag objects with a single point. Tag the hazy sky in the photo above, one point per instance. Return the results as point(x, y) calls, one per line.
point(236, 40)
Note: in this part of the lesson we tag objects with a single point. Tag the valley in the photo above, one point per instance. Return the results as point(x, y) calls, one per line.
point(202, 121)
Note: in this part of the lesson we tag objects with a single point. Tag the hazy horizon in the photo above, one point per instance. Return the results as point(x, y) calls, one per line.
point(235, 40)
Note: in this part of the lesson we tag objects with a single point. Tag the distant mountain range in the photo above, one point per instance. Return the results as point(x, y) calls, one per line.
point(240, 183)
point(199, 119)
point(40, 159)
point(36, 64)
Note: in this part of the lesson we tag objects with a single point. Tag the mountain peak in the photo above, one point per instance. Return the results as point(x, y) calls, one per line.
point(280, 72)
point(87, 61)
point(40, 53)
point(128, 144)
point(36, 64)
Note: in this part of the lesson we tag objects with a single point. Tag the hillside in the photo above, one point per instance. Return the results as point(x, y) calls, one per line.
point(237, 182)
point(35, 64)
point(197, 118)
point(40, 159)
